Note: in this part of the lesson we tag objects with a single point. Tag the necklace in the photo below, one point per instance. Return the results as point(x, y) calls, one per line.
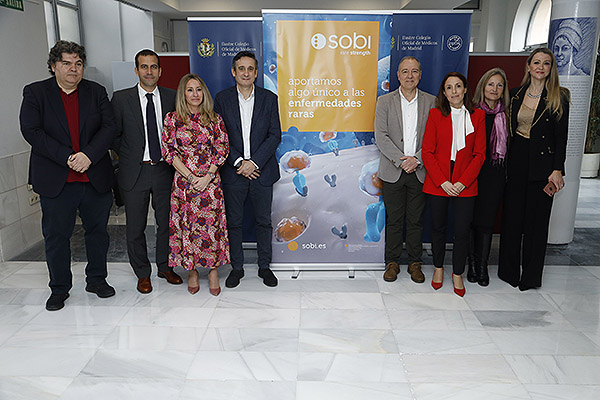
point(534, 96)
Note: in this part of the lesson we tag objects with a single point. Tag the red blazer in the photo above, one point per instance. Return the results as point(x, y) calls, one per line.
point(437, 145)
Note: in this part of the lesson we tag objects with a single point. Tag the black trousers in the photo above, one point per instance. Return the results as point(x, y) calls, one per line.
point(525, 222)
point(404, 201)
point(490, 190)
point(154, 183)
point(463, 214)
point(58, 221)
point(261, 198)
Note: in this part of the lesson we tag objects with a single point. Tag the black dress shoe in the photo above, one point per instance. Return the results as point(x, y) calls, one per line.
point(268, 277)
point(56, 301)
point(234, 278)
point(102, 290)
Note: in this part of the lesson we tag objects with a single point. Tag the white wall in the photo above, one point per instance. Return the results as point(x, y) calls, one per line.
point(496, 25)
point(180, 36)
point(24, 50)
point(137, 31)
point(102, 39)
point(162, 33)
point(113, 31)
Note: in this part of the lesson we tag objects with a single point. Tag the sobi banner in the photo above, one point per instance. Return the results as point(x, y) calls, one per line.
point(440, 41)
point(327, 69)
point(213, 43)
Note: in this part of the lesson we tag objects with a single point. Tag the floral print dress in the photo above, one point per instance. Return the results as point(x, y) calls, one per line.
point(198, 228)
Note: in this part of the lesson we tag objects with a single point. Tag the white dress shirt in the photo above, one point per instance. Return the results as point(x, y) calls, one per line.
point(157, 109)
point(246, 110)
point(461, 128)
point(409, 123)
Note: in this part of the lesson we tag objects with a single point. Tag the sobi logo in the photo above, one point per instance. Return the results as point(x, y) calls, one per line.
point(318, 41)
point(356, 41)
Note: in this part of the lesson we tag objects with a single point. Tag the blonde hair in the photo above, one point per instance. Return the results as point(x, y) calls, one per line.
point(480, 89)
point(556, 93)
point(207, 114)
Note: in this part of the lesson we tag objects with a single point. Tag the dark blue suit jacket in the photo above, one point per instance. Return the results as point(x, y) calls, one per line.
point(265, 134)
point(44, 126)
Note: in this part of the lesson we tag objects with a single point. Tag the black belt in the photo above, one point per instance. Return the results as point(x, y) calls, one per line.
point(150, 163)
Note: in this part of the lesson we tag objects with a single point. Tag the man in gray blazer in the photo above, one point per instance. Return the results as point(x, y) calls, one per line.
point(400, 119)
point(139, 113)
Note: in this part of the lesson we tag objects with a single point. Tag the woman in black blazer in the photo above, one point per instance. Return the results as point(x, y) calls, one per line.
point(539, 115)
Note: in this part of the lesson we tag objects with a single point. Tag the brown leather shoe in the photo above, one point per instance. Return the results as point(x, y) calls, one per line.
point(392, 270)
point(171, 277)
point(144, 286)
point(414, 269)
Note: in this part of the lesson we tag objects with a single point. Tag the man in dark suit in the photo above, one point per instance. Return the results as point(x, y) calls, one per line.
point(251, 116)
point(69, 124)
point(142, 172)
point(400, 119)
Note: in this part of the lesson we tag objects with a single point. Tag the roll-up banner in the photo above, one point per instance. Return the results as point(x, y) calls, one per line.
point(327, 69)
point(215, 41)
point(213, 44)
point(440, 41)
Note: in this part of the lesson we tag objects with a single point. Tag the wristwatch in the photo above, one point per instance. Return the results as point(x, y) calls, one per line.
point(211, 174)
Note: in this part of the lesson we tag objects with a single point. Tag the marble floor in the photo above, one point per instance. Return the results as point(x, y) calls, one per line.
point(320, 336)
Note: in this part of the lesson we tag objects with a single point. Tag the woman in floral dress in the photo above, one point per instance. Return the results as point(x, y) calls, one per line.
point(195, 142)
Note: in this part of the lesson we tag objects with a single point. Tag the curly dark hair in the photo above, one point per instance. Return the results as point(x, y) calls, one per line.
point(63, 46)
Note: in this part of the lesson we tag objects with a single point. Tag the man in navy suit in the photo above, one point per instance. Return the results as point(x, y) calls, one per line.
point(139, 113)
point(251, 116)
point(69, 124)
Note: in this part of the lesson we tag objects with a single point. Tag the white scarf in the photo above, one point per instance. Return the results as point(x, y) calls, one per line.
point(461, 128)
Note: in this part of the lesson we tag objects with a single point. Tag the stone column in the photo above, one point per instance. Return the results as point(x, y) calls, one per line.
point(573, 38)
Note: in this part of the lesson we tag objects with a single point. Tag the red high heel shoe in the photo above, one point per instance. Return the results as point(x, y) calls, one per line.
point(193, 289)
point(214, 291)
point(437, 285)
point(460, 292)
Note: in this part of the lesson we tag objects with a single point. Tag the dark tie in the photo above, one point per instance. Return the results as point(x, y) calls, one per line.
point(153, 143)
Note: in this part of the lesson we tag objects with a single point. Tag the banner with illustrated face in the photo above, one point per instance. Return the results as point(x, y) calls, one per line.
point(328, 70)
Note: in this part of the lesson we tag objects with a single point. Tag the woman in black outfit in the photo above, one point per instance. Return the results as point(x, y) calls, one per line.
point(539, 115)
point(491, 95)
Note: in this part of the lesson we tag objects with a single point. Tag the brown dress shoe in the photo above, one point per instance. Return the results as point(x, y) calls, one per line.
point(144, 286)
point(171, 277)
point(414, 269)
point(392, 270)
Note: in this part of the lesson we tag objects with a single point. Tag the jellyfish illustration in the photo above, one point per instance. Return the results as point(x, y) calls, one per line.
point(289, 229)
point(329, 137)
point(370, 184)
point(293, 162)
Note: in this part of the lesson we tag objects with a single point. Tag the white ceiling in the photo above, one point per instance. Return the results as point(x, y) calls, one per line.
point(180, 9)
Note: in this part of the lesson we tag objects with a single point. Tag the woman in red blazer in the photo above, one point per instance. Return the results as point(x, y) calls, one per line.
point(453, 153)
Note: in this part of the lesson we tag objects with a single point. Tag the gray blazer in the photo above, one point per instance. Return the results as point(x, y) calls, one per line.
point(389, 133)
point(131, 137)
